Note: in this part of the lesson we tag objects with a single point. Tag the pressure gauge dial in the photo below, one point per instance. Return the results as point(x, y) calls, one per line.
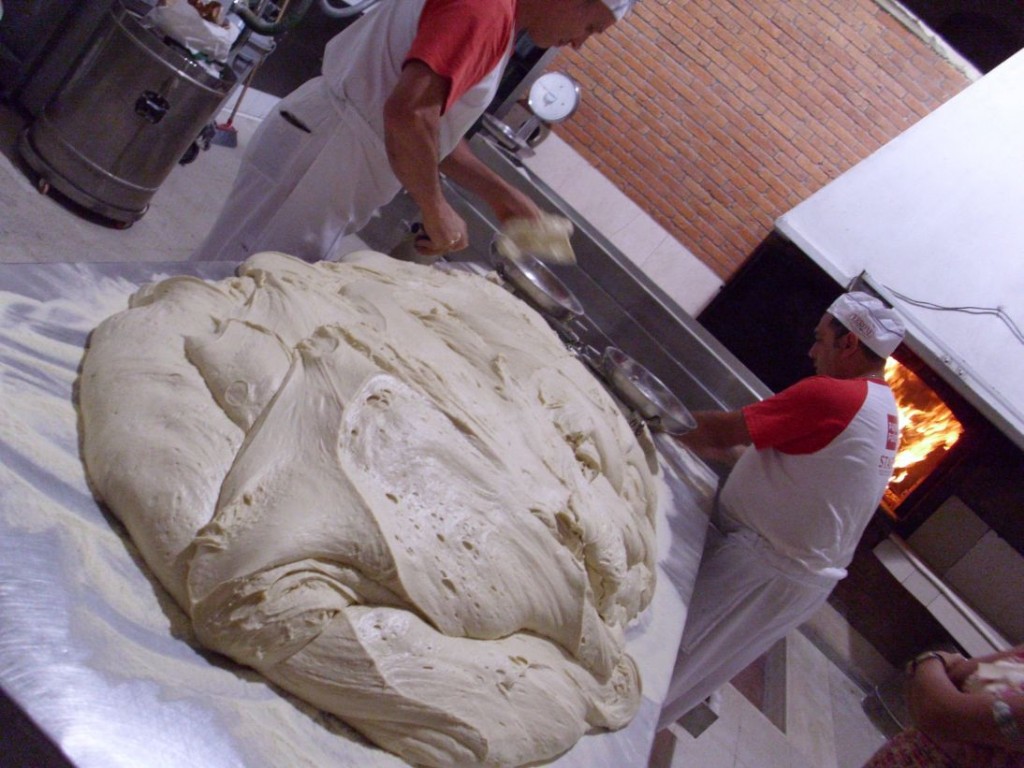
point(554, 96)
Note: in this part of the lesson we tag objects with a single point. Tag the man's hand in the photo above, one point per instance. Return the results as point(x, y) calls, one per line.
point(444, 232)
point(412, 116)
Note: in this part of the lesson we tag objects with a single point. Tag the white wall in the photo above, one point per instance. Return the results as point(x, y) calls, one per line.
point(938, 214)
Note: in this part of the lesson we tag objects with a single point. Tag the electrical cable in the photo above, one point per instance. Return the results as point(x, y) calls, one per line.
point(338, 12)
point(968, 310)
point(257, 24)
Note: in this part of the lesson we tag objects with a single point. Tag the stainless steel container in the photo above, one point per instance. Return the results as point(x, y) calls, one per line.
point(116, 129)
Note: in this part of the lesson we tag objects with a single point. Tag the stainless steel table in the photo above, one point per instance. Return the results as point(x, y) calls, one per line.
point(102, 659)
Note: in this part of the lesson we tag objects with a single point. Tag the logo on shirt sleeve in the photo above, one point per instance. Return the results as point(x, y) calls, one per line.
point(892, 437)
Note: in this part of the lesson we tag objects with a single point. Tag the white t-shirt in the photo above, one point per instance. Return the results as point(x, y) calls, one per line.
point(466, 41)
point(822, 456)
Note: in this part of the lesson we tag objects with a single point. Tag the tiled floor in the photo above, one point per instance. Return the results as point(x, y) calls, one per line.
point(825, 724)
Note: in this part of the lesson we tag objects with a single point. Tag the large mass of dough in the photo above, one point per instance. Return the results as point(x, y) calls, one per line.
point(388, 488)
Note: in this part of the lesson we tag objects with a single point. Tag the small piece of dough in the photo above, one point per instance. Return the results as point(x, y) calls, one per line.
point(546, 238)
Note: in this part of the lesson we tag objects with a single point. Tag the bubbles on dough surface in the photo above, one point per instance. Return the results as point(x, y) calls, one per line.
point(388, 488)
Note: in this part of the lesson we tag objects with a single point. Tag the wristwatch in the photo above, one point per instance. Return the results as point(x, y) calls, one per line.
point(1003, 716)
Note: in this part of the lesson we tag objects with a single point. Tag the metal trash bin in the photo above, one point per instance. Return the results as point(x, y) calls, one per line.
point(115, 130)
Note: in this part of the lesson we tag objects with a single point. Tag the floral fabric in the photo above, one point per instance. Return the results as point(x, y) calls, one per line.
point(912, 749)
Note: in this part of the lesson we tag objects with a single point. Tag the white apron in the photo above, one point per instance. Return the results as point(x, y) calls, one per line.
point(316, 169)
point(744, 600)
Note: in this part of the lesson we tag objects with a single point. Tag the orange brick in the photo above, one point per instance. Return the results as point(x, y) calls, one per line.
point(718, 117)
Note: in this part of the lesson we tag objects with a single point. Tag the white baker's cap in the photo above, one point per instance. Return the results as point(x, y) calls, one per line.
point(619, 8)
point(876, 325)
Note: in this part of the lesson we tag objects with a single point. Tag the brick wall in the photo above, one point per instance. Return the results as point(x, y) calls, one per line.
point(718, 116)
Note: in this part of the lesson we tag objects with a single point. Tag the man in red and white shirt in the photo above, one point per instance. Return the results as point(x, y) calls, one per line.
point(399, 89)
point(792, 510)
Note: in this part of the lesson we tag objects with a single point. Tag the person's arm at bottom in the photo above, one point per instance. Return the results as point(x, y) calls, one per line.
point(940, 710)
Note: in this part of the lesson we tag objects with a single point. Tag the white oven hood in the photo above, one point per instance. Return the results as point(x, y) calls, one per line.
point(936, 216)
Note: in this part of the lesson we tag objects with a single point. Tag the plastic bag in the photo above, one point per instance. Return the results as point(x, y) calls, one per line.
point(182, 22)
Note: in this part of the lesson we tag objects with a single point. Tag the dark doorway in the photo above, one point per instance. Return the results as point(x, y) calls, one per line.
point(299, 53)
point(985, 32)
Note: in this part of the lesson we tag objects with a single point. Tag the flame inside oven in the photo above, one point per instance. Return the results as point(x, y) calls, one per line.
point(928, 430)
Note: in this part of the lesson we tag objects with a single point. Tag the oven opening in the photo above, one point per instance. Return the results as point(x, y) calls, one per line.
point(928, 431)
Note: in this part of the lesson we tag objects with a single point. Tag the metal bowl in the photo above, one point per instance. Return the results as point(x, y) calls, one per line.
point(538, 285)
point(644, 393)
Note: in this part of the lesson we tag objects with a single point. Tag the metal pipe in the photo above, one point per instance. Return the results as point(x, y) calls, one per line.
point(256, 23)
point(336, 12)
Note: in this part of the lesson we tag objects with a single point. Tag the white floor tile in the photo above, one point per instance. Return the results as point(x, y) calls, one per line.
point(827, 726)
point(855, 737)
point(679, 273)
point(828, 629)
point(809, 717)
point(254, 104)
point(639, 238)
point(716, 747)
point(556, 163)
point(37, 228)
point(761, 743)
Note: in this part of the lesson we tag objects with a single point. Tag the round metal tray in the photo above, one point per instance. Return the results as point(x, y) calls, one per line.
point(532, 278)
point(644, 393)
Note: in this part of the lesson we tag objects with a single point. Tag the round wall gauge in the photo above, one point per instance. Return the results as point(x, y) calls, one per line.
point(554, 96)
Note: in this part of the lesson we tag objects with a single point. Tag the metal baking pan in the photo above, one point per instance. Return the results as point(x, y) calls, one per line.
point(645, 394)
point(538, 284)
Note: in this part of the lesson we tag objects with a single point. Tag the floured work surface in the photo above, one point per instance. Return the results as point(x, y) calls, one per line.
point(120, 639)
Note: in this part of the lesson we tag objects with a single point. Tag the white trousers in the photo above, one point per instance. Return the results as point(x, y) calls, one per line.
point(744, 600)
point(308, 178)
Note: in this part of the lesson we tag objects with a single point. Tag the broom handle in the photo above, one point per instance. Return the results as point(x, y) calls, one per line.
point(245, 87)
point(252, 73)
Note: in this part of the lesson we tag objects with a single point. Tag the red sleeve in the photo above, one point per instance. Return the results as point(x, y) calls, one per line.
point(462, 40)
point(807, 416)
